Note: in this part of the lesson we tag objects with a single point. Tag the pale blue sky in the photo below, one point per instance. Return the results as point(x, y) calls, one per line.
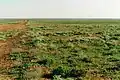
point(59, 8)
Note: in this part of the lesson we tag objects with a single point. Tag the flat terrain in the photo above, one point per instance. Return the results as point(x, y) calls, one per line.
point(59, 49)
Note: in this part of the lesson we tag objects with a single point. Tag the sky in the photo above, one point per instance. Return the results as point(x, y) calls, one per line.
point(59, 8)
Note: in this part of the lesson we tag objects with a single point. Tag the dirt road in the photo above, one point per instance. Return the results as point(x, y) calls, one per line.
point(6, 46)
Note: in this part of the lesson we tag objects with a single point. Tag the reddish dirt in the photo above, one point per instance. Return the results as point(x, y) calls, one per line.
point(5, 49)
point(6, 46)
point(92, 75)
point(15, 26)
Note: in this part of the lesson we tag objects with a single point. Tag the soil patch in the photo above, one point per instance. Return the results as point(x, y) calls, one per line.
point(6, 46)
point(14, 26)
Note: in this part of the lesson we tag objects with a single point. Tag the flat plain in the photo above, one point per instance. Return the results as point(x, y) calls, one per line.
point(51, 49)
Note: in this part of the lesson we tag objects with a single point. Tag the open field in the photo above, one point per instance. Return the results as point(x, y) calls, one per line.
point(59, 49)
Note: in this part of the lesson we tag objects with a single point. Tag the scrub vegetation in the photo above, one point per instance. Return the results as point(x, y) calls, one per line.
point(60, 50)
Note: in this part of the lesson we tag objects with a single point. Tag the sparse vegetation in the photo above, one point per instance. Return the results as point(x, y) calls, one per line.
point(59, 50)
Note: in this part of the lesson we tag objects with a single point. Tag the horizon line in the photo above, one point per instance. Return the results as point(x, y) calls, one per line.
point(69, 18)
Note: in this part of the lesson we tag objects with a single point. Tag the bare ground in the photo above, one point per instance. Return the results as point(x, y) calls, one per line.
point(15, 26)
point(6, 46)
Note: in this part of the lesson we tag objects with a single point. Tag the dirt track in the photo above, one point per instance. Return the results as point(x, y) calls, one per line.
point(15, 26)
point(6, 46)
